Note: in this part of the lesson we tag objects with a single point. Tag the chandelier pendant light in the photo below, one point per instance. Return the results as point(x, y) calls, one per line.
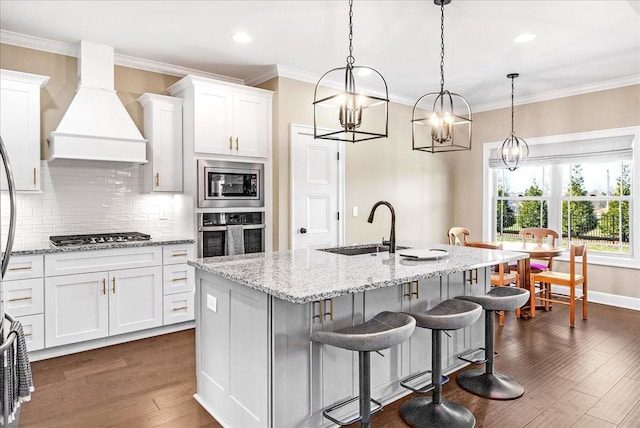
point(514, 150)
point(342, 110)
point(441, 121)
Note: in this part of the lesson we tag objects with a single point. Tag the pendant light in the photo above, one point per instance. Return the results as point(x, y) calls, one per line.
point(343, 111)
point(514, 151)
point(441, 121)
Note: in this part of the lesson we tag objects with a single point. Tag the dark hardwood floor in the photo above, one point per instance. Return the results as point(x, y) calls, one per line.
point(588, 376)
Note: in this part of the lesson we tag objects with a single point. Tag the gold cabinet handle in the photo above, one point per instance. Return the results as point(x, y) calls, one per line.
point(20, 268)
point(179, 255)
point(179, 279)
point(104, 286)
point(28, 334)
point(408, 289)
point(417, 292)
point(180, 308)
point(17, 299)
point(318, 315)
point(113, 284)
point(330, 313)
point(230, 143)
point(157, 179)
point(34, 176)
point(237, 143)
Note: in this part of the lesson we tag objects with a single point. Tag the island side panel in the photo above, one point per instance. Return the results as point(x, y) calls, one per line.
point(232, 351)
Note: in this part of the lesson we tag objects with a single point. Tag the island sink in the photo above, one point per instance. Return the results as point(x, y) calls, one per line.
point(357, 250)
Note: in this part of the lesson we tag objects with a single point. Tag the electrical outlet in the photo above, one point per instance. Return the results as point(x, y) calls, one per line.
point(163, 214)
point(212, 303)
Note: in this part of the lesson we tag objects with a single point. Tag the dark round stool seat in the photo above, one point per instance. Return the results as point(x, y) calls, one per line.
point(434, 411)
point(500, 298)
point(451, 314)
point(488, 383)
point(385, 330)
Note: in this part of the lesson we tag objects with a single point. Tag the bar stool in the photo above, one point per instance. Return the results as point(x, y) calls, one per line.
point(434, 411)
point(487, 383)
point(385, 330)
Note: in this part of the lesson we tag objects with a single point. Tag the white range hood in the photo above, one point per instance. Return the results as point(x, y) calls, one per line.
point(96, 126)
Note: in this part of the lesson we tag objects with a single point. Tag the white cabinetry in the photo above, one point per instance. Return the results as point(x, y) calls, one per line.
point(23, 297)
point(163, 129)
point(20, 126)
point(178, 284)
point(119, 291)
point(223, 118)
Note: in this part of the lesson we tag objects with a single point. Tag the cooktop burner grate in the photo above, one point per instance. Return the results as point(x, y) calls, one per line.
point(98, 238)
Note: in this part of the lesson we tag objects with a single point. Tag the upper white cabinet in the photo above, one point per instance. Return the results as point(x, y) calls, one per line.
point(20, 126)
point(224, 118)
point(163, 129)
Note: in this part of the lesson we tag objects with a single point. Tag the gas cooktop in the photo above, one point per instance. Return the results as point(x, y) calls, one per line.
point(98, 238)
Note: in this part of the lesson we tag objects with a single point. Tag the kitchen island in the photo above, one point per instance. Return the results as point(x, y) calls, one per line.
point(255, 364)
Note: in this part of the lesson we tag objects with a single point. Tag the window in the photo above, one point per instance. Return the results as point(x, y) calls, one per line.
point(582, 185)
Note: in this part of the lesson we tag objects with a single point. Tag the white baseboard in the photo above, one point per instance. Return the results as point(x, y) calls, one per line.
point(605, 298)
point(107, 341)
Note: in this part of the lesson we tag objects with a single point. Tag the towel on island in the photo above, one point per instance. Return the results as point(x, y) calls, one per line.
point(15, 375)
point(235, 240)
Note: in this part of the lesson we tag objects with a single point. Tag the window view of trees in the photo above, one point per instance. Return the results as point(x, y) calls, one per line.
point(578, 217)
point(533, 213)
point(615, 221)
point(591, 203)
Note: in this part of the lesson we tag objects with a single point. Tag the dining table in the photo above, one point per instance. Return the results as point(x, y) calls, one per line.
point(536, 250)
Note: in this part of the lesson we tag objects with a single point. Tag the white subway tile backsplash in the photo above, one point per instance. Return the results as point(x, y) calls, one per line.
point(84, 197)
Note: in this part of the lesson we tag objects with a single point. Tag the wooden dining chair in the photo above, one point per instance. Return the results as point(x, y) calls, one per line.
point(571, 280)
point(539, 235)
point(458, 236)
point(501, 276)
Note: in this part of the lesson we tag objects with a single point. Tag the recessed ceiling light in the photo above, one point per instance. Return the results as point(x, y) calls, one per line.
point(524, 38)
point(241, 37)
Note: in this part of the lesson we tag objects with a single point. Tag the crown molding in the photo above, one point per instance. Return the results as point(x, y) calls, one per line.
point(67, 49)
point(561, 93)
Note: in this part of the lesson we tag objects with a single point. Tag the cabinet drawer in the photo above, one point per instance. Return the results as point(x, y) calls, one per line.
point(24, 267)
point(178, 308)
point(178, 279)
point(102, 260)
point(33, 328)
point(23, 297)
point(175, 254)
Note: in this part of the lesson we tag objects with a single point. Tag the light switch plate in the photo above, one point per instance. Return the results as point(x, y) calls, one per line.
point(212, 303)
point(354, 211)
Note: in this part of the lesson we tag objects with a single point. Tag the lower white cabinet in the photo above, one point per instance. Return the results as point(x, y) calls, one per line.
point(33, 328)
point(94, 305)
point(23, 297)
point(178, 307)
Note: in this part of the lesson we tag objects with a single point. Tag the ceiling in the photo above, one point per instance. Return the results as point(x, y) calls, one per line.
point(580, 46)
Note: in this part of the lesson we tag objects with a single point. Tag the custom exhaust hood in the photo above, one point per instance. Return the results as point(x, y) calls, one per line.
point(96, 125)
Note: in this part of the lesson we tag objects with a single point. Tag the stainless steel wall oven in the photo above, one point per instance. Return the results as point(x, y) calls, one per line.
point(212, 232)
point(230, 184)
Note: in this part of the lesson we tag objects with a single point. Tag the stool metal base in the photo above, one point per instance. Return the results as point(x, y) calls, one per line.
point(490, 385)
point(422, 412)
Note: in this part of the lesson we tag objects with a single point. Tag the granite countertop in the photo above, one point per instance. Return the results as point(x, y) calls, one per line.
point(47, 248)
point(302, 276)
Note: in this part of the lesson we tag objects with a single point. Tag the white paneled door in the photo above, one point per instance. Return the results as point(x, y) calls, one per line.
point(317, 190)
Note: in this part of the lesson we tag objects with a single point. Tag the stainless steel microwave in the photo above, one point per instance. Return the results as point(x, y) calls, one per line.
point(230, 184)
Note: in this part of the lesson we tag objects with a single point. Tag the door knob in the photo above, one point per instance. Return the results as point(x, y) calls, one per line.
point(303, 230)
